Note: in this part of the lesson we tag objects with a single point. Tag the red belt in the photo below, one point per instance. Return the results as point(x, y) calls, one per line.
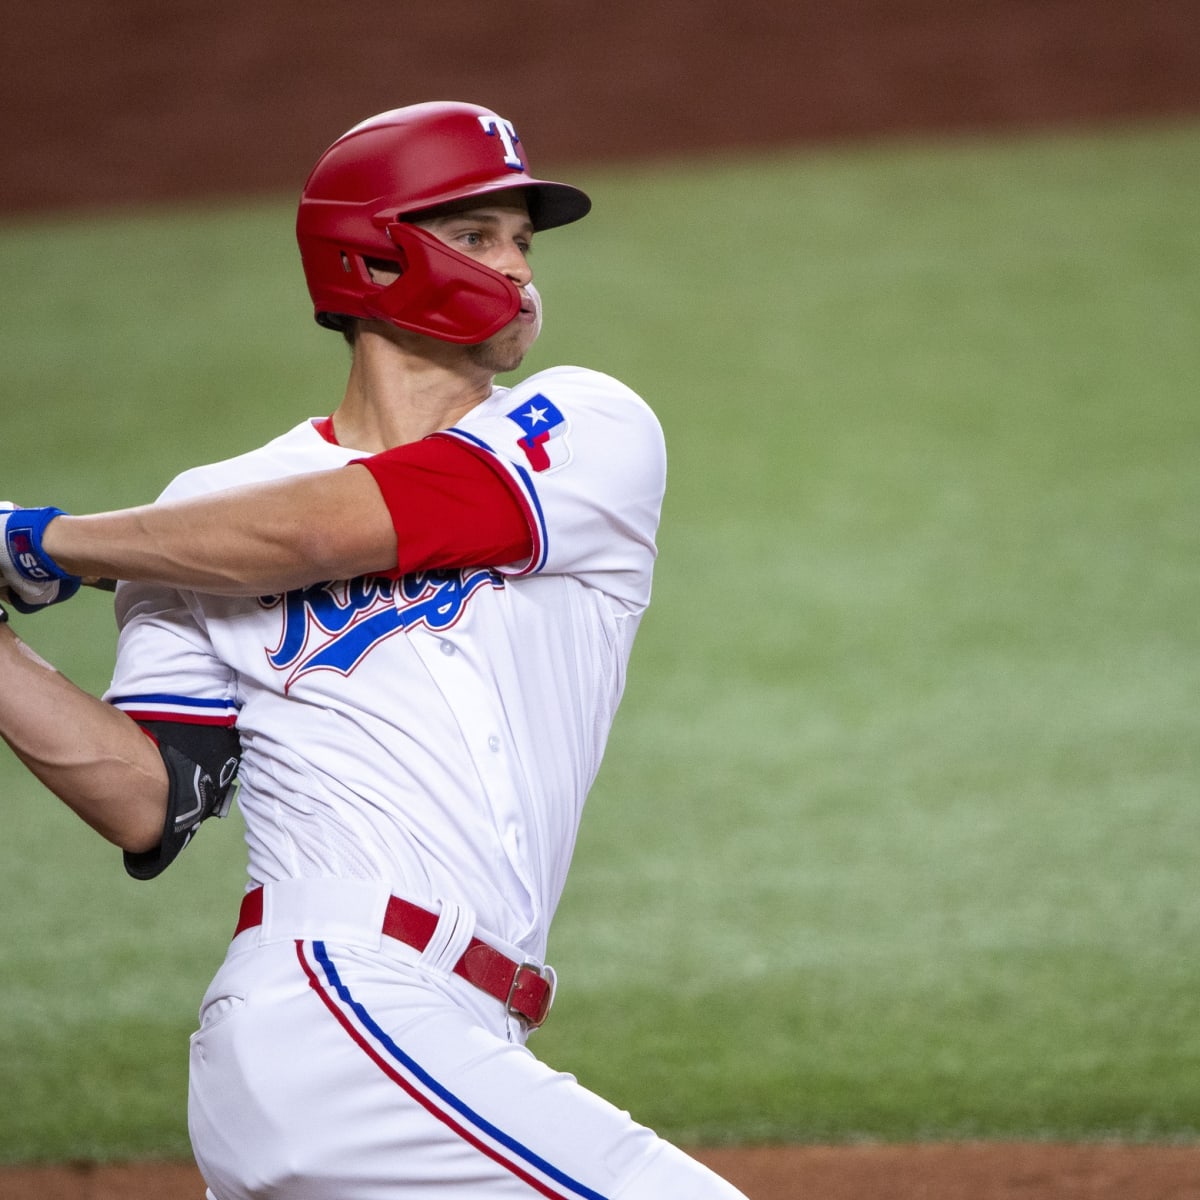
point(525, 990)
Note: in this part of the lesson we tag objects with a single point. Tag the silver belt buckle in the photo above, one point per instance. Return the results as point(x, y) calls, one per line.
point(542, 972)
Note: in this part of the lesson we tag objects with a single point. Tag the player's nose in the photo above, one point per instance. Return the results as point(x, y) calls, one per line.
point(511, 261)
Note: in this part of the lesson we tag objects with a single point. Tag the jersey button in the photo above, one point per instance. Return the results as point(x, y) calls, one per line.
point(494, 744)
point(447, 648)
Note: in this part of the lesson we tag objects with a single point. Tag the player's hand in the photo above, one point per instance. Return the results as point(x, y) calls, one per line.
point(32, 579)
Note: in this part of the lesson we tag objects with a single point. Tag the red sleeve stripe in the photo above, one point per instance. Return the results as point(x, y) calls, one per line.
point(450, 507)
point(150, 714)
point(523, 491)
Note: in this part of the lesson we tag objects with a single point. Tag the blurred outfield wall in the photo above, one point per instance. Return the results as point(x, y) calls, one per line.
point(115, 102)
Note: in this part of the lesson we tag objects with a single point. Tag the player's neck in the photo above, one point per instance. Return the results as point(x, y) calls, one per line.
point(396, 395)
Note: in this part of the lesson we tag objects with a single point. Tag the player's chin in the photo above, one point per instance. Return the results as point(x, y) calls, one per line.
point(506, 350)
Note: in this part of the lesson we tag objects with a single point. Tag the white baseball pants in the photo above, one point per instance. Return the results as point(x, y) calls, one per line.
point(333, 1063)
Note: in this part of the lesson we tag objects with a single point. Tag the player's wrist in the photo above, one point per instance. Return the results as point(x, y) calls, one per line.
point(33, 578)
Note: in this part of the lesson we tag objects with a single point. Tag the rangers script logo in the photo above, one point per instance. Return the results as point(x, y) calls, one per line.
point(334, 626)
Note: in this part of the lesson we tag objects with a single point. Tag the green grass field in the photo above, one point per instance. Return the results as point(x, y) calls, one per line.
point(897, 836)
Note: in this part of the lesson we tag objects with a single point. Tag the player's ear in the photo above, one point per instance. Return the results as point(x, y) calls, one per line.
point(382, 271)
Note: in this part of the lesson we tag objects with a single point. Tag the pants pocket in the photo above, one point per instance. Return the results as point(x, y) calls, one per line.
point(219, 1008)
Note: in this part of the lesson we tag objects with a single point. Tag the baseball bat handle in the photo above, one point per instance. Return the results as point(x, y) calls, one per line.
point(92, 581)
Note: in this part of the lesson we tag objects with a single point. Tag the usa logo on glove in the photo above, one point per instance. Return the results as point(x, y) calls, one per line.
point(33, 579)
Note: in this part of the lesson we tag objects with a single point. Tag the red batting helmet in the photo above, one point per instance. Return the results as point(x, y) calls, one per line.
point(398, 164)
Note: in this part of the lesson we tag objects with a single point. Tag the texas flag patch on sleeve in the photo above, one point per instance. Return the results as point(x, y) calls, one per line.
point(542, 437)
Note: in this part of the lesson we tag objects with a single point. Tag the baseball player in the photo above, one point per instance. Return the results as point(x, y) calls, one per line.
point(404, 628)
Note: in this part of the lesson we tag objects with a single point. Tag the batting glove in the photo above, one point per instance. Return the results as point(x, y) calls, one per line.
point(34, 580)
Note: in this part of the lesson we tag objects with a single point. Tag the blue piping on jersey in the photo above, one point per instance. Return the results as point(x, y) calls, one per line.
point(167, 698)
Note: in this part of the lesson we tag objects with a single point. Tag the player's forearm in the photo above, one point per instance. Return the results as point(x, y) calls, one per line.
point(93, 757)
point(255, 540)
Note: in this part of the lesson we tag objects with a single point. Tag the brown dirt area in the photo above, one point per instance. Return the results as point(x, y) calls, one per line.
point(134, 101)
point(967, 1171)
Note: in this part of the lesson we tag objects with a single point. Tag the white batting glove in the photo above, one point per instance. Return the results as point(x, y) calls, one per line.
point(31, 577)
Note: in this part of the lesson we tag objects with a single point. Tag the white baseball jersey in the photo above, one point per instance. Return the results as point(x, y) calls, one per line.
point(436, 733)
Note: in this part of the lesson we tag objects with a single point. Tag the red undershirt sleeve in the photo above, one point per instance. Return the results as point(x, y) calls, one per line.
point(450, 507)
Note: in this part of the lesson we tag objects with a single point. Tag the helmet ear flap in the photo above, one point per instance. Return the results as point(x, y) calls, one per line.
point(441, 293)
